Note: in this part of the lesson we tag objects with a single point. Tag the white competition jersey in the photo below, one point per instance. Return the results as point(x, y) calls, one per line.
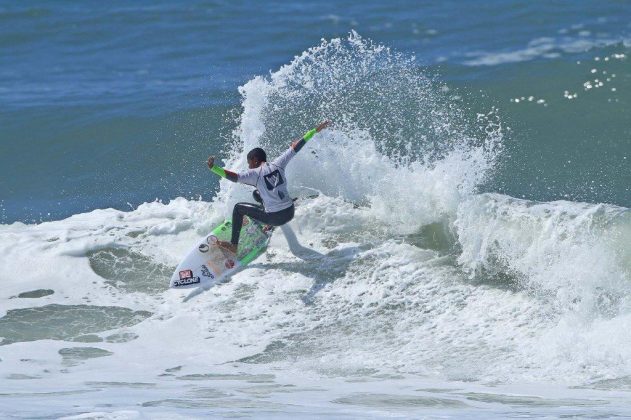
point(270, 180)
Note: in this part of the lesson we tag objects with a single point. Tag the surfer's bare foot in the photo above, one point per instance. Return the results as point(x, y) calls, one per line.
point(229, 246)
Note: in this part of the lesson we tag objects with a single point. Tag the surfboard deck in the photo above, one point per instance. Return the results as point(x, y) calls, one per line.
point(208, 264)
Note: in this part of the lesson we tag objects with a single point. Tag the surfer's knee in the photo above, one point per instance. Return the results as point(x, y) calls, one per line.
point(239, 209)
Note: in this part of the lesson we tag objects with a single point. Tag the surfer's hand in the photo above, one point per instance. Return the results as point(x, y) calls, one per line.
point(323, 125)
point(211, 162)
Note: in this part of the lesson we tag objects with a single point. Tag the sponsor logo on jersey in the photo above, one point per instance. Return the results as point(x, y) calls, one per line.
point(273, 180)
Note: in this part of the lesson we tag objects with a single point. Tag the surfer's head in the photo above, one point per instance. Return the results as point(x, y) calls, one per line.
point(256, 156)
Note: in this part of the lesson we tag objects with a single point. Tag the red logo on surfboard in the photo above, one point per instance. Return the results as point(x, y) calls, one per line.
point(186, 274)
point(229, 263)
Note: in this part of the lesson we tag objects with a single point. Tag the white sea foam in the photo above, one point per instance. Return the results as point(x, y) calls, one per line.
point(357, 309)
point(574, 259)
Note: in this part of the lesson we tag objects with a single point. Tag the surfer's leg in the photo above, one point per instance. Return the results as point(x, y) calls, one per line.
point(244, 209)
point(257, 213)
point(279, 218)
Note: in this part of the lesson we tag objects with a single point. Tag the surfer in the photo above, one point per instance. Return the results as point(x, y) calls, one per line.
point(271, 187)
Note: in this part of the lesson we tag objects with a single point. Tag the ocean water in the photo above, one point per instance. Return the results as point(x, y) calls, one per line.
point(461, 241)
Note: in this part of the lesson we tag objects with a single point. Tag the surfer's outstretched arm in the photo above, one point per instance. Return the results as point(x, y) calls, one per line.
point(298, 144)
point(218, 170)
point(248, 176)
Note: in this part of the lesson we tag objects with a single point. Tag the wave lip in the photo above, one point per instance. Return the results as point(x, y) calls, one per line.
point(574, 260)
point(550, 244)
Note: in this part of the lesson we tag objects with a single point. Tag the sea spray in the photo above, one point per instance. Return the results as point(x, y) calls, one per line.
point(399, 143)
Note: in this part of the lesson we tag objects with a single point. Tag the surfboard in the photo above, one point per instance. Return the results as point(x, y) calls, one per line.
point(208, 264)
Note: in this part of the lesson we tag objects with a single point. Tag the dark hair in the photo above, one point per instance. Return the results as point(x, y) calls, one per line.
point(258, 154)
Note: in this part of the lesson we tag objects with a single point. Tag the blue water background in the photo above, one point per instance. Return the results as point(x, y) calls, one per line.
point(118, 103)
